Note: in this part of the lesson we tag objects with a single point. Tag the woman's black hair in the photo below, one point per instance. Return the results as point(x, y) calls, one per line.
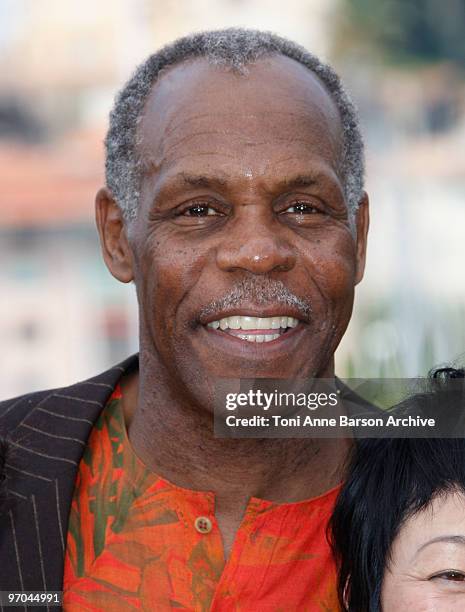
point(388, 481)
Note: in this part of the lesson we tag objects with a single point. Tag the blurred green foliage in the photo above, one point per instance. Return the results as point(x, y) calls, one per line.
point(408, 355)
point(411, 31)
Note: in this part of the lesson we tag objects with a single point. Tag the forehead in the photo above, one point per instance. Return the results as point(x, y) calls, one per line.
point(275, 115)
point(444, 511)
point(445, 515)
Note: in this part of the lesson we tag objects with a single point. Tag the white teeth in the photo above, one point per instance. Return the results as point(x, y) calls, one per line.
point(258, 337)
point(276, 322)
point(248, 337)
point(246, 323)
point(234, 322)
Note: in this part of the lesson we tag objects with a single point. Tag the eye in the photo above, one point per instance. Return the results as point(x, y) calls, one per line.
point(302, 208)
point(452, 575)
point(199, 210)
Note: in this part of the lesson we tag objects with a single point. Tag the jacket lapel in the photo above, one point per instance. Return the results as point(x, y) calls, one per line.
point(42, 460)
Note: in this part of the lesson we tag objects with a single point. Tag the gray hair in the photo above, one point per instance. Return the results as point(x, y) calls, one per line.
point(234, 48)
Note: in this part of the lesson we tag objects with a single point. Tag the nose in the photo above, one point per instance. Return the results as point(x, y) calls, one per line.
point(255, 248)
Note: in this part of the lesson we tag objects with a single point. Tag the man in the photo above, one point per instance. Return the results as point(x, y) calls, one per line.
point(234, 201)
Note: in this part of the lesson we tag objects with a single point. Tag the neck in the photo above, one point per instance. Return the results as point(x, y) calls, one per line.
point(175, 440)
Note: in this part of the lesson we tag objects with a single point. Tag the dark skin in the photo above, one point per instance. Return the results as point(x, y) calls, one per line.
point(241, 180)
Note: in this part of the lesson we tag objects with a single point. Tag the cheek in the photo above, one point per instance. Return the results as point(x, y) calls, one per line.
point(167, 272)
point(339, 279)
point(397, 596)
point(332, 266)
point(422, 599)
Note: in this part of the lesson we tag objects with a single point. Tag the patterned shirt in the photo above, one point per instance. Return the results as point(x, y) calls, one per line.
point(138, 542)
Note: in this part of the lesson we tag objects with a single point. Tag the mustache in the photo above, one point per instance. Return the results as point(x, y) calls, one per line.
point(261, 291)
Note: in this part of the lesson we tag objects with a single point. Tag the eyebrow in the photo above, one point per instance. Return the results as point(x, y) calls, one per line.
point(204, 181)
point(200, 180)
point(300, 180)
point(447, 539)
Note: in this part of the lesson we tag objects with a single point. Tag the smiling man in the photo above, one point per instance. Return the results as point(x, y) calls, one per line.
point(234, 201)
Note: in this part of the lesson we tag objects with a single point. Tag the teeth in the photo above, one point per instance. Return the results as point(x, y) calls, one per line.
point(234, 322)
point(258, 337)
point(246, 323)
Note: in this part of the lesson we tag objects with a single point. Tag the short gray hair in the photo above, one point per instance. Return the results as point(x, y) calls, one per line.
point(234, 48)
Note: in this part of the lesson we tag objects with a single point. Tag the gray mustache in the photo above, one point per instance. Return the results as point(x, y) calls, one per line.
point(260, 291)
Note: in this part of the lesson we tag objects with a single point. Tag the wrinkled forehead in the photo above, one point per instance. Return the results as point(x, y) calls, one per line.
point(441, 522)
point(274, 101)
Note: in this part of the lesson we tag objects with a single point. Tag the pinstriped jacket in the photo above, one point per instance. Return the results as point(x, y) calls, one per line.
point(44, 436)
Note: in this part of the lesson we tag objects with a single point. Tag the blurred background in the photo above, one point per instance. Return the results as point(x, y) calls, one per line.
point(63, 317)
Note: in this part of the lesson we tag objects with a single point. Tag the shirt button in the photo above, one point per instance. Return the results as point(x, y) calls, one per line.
point(203, 524)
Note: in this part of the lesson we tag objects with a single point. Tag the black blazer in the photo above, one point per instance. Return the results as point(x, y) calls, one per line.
point(44, 435)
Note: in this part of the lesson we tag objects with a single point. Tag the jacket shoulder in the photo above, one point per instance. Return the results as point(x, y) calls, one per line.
point(97, 388)
point(14, 410)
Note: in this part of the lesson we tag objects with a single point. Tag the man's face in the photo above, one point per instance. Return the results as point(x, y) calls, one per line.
point(244, 260)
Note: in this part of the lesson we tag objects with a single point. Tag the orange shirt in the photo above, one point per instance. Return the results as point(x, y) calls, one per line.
point(137, 542)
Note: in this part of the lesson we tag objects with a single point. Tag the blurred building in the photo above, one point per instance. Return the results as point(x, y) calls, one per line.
point(64, 317)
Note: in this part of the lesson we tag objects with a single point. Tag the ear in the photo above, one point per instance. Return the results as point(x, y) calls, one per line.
point(113, 237)
point(362, 224)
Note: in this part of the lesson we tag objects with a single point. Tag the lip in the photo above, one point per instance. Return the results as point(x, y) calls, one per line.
point(278, 310)
point(281, 347)
point(222, 333)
